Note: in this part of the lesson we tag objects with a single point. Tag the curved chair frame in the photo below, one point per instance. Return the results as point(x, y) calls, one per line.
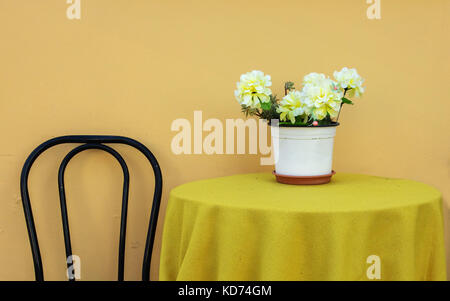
point(92, 142)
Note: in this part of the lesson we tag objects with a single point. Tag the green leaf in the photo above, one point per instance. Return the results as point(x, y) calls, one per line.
point(288, 86)
point(273, 99)
point(324, 121)
point(346, 100)
point(298, 122)
point(266, 106)
point(248, 111)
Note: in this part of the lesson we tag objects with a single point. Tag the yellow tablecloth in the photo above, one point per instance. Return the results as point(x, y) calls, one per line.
point(249, 227)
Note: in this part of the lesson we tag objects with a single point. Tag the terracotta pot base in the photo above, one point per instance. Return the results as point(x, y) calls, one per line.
point(304, 180)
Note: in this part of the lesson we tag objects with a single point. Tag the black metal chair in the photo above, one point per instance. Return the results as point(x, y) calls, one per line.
point(92, 142)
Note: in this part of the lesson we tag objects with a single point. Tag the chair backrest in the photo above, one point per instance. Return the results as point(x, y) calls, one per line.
point(92, 142)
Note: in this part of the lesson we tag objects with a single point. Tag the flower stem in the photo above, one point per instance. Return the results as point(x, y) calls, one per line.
point(339, 113)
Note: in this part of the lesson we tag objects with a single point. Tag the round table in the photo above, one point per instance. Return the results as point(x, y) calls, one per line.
point(357, 227)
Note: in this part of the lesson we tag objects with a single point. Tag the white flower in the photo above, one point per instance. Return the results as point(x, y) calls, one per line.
point(321, 96)
point(349, 79)
point(253, 89)
point(313, 77)
point(291, 106)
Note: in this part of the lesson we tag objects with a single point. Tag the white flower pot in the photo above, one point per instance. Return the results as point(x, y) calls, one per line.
point(303, 151)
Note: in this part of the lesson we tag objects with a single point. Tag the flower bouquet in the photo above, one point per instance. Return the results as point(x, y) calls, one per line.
point(303, 123)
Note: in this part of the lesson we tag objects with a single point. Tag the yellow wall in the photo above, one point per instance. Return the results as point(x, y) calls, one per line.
point(131, 67)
